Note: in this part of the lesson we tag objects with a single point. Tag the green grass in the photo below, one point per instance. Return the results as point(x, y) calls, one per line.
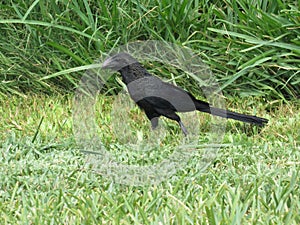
point(252, 47)
point(254, 180)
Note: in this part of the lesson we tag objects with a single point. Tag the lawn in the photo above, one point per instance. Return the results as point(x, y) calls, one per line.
point(254, 179)
point(46, 177)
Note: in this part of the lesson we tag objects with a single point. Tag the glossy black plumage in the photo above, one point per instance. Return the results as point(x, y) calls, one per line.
point(158, 98)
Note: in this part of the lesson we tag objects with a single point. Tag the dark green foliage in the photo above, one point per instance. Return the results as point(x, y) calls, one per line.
point(251, 46)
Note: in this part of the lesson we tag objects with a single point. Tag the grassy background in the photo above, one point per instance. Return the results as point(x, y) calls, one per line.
point(254, 180)
point(251, 46)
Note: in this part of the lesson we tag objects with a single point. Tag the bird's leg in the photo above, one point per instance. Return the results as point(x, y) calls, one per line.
point(184, 130)
point(173, 116)
point(154, 122)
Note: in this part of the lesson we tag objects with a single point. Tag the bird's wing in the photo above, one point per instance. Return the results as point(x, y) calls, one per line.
point(161, 94)
point(159, 103)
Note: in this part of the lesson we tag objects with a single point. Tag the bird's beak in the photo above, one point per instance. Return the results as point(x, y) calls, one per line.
point(107, 63)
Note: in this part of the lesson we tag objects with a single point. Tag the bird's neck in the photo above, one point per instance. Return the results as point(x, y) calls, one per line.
point(133, 72)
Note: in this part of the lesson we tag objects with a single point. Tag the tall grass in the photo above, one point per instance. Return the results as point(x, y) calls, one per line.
point(251, 46)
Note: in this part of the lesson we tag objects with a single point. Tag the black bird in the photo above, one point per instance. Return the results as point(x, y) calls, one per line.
point(158, 98)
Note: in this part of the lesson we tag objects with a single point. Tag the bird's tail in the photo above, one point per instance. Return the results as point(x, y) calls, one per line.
point(204, 107)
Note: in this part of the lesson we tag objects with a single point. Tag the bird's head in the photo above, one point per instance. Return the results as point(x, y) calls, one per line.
point(118, 61)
